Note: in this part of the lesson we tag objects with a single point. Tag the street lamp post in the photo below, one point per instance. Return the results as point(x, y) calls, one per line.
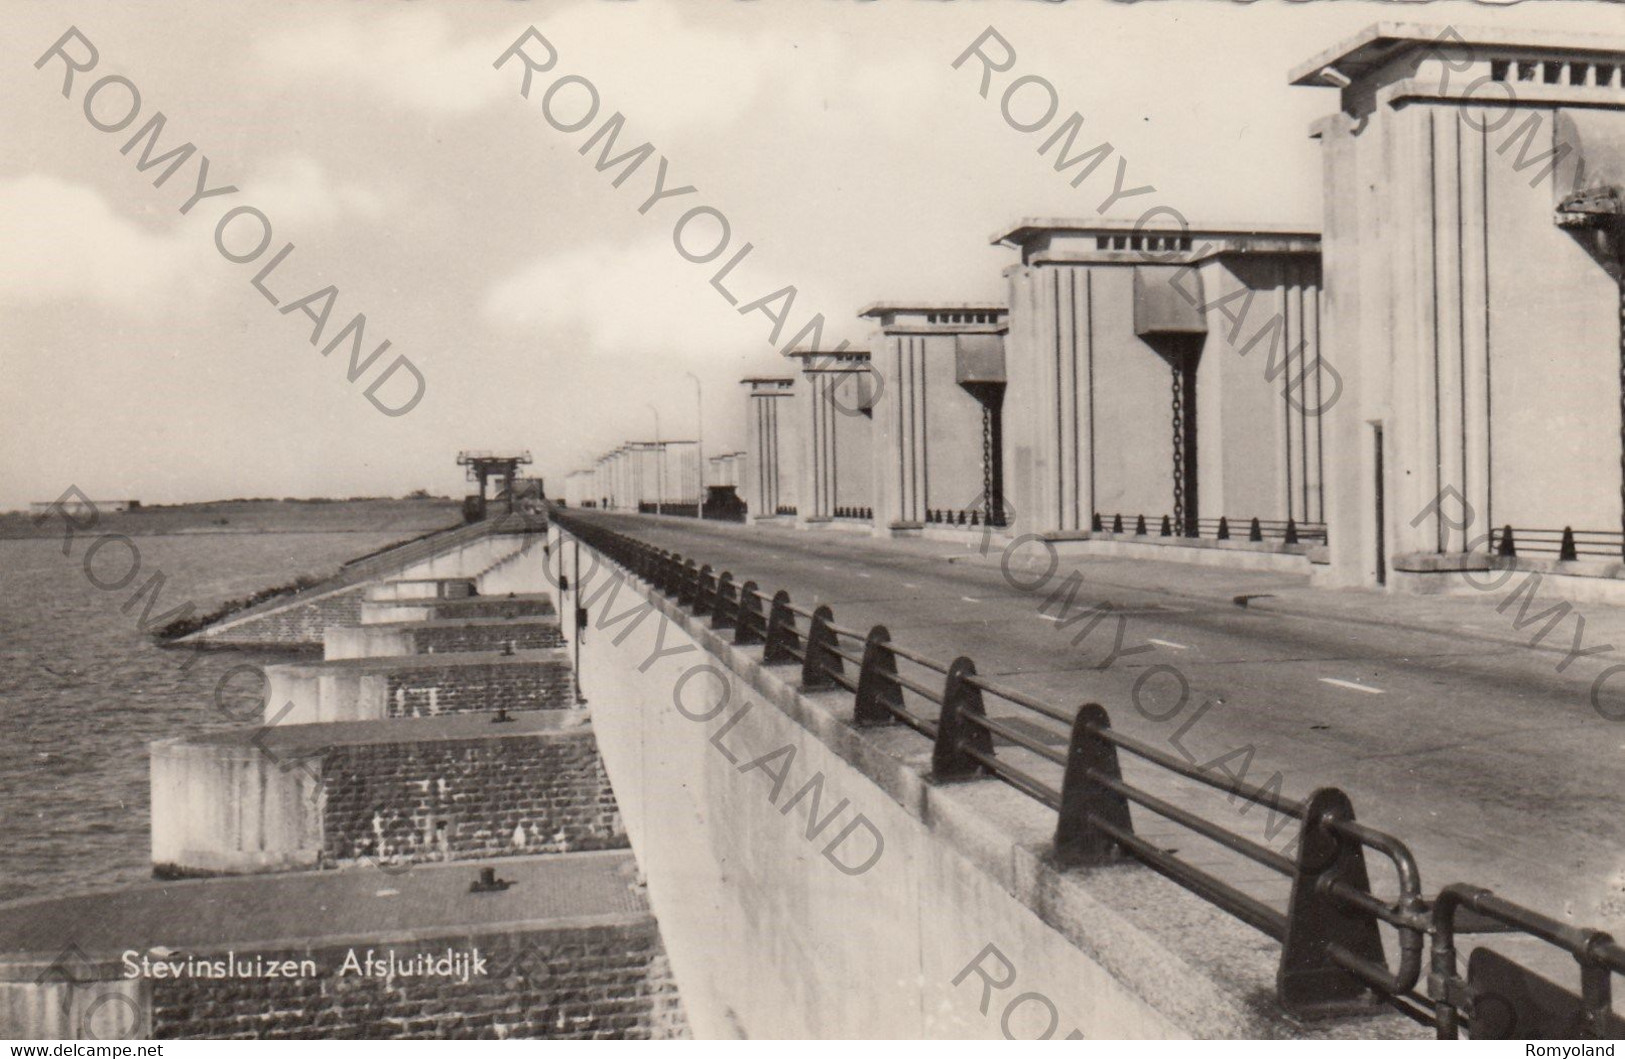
point(660, 464)
point(699, 438)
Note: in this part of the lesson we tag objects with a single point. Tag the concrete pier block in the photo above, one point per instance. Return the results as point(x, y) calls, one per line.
point(300, 796)
point(377, 688)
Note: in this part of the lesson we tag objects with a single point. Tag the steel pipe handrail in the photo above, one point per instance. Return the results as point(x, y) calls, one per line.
point(1279, 803)
point(1328, 878)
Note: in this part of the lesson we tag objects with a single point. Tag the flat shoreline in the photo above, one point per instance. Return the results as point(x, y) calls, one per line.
point(408, 518)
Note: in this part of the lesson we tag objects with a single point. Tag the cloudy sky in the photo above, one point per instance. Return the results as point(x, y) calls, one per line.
point(543, 307)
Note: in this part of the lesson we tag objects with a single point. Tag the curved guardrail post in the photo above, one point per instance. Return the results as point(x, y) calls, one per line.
point(671, 580)
point(688, 580)
point(749, 627)
point(955, 734)
point(1084, 798)
point(878, 691)
point(783, 642)
point(819, 662)
point(703, 591)
point(724, 614)
point(1566, 550)
point(1310, 983)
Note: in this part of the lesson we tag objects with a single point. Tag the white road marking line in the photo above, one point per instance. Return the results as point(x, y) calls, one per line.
point(970, 599)
point(860, 574)
point(910, 584)
point(1170, 643)
point(1351, 685)
point(1049, 617)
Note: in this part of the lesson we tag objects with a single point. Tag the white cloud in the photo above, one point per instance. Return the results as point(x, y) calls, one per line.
point(639, 300)
point(633, 54)
point(296, 188)
point(408, 57)
point(63, 241)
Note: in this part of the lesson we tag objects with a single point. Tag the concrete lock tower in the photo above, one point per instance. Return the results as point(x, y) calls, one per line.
point(1471, 258)
point(772, 454)
point(831, 421)
point(938, 420)
point(1163, 373)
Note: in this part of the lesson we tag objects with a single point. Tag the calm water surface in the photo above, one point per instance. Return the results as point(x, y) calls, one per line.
point(83, 690)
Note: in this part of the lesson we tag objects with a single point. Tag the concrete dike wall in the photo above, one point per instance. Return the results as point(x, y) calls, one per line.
point(456, 634)
point(809, 879)
point(567, 950)
point(407, 791)
point(376, 688)
point(298, 620)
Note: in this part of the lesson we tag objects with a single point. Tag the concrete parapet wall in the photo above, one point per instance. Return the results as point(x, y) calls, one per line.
point(466, 560)
point(436, 636)
point(1231, 554)
point(523, 571)
point(521, 605)
point(431, 588)
point(410, 790)
point(790, 855)
point(418, 686)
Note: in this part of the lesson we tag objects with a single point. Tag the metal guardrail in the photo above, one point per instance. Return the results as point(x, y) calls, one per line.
point(962, 517)
point(1289, 531)
point(1332, 953)
point(1567, 544)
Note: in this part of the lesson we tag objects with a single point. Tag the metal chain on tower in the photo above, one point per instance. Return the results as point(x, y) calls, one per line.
point(988, 504)
point(1179, 450)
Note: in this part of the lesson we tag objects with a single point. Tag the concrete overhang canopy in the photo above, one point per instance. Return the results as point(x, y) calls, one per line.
point(1378, 45)
point(836, 360)
point(1043, 240)
point(938, 317)
point(846, 365)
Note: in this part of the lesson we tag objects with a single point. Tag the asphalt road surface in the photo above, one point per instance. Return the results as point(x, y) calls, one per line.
point(1475, 750)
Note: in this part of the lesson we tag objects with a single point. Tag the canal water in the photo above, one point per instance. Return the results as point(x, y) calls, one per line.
point(83, 690)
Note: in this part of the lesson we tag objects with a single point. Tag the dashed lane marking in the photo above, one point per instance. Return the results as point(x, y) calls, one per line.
point(1170, 643)
point(1351, 685)
point(970, 599)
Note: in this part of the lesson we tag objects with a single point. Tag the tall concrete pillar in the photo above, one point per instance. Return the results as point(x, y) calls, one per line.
point(832, 420)
point(1471, 313)
point(938, 415)
point(1162, 372)
point(770, 465)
